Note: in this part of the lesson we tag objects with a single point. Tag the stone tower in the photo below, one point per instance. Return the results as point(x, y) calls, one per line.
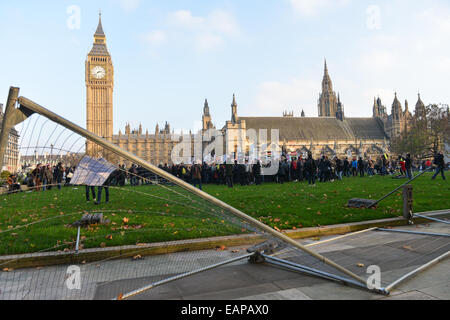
point(397, 118)
point(234, 116)
point(99, 92)
point(327, 100)
point(340, 110)
point(379, 110)
point(420, 112)
point(206, 118)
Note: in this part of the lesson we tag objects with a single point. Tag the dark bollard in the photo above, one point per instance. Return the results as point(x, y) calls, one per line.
point(408, 202)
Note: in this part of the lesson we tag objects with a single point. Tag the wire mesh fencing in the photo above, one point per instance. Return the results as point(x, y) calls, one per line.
point(86, 220)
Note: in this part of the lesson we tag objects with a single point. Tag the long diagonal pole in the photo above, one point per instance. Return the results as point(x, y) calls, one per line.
point(180, 276)
point(398, 188)
point(34, 107)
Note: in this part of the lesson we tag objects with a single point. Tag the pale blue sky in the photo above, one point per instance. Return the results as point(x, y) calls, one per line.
point(171, 55)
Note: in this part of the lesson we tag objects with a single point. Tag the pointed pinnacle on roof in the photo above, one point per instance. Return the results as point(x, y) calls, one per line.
point(234, 100)
point(99, 31)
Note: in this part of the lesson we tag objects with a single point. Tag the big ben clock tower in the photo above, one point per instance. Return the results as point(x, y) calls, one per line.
point(99, 92)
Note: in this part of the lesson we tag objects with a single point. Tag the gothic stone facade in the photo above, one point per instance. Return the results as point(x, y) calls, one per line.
point(332, 133)
point(154, 148)
point(329, 134)
point(11, 160)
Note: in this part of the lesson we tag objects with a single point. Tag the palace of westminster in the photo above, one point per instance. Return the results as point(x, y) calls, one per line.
point(332, 133)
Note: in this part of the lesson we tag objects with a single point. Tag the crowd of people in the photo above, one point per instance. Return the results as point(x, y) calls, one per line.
point(311, 170)
point(41, 178)
point(324, 169)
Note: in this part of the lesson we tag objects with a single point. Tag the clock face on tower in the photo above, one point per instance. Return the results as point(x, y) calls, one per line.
point(98, 72)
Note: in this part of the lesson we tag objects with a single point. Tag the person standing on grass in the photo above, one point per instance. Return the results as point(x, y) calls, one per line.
point(197, 176)
point(384, 163)
point(371, 168)
point(300, 169)
point(354, 167)
point(281, 173)
point(408, 166)
point(402, 166)
point(257, 172)
point(321, 169)
point(293, 170)
point(36, 174)
point(58, 174)
point(46, 177)
point(440, 165)
point(105, 186)
point(360, 166)
point(92, 190)
point(339, 168)
point(229, 174)
point(311, 170)
point(346, 167)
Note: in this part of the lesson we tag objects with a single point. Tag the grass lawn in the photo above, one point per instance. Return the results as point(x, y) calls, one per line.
point(38, 221)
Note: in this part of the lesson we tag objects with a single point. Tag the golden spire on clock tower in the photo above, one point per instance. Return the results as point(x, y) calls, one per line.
point(99, 92)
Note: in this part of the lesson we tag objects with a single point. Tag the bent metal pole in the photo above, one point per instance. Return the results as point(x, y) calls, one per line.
point(32, 106)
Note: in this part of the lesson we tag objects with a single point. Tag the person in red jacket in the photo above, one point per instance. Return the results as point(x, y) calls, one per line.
point(403, 167)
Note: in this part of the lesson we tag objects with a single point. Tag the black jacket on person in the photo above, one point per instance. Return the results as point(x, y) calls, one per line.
point(310, 166)
point(339, 166)
point(229, 170)
point(360, 164)
point(346, 165)
point(408, 163)
point(439, 160)
point(257, 169)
